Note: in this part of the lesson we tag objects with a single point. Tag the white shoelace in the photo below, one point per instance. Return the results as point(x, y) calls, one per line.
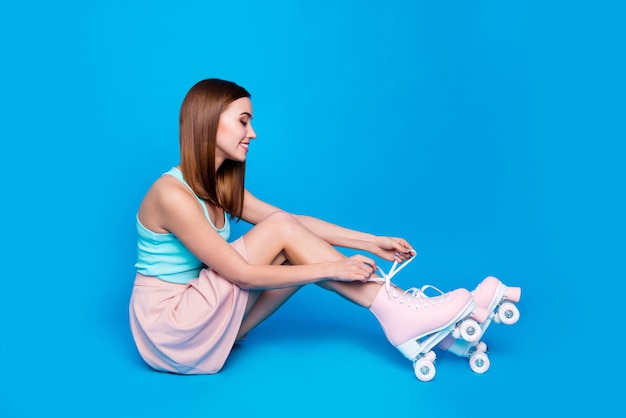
point(411, 293)
point(395, 268)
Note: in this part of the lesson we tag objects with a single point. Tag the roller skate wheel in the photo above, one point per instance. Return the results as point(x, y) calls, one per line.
point(481, 347)
point(470, 330)
point(479, 362)
point(424, 370)
point(508, 313)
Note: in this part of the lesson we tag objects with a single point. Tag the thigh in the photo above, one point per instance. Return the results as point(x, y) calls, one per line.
point(265, 243)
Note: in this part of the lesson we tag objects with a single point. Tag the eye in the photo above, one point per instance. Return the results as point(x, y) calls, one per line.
point(244, 123)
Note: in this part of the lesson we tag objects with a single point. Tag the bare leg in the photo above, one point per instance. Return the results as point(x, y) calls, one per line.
point(279, 238)
point(262, 304)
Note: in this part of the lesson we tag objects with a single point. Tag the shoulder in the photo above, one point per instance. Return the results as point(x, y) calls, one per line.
point(167, 185)
point(167, 198)
point(172, 195)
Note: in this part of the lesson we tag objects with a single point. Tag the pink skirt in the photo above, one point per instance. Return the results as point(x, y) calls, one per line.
point(187, 328)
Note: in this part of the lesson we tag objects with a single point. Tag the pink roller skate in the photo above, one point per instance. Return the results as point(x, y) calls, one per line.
point(499, 300)
point(415, 323)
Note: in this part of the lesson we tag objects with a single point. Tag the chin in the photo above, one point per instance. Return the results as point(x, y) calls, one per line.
point(238, 159)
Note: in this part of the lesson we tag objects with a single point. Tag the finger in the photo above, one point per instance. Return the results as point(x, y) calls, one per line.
point(361, 273)
point(366, 260)
point(370, 261)
point(402, 246)
point(407, 250)
point(362, 267)
point(367, 273)
point(401, 257)
point(367, 269)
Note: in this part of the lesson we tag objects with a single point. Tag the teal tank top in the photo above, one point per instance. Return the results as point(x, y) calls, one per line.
point(164, 256)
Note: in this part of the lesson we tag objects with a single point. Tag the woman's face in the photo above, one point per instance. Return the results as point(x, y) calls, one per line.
point(234, 132)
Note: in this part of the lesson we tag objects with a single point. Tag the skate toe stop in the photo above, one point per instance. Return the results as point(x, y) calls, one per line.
point(514, 294)
point(480, 314)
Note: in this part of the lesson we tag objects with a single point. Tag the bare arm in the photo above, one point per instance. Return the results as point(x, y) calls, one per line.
point(388, 248)
point(179, 212)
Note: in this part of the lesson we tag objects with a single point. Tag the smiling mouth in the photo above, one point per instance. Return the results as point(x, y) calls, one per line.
point(245, 145)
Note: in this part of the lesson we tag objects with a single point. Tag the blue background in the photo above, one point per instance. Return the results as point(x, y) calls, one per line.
point(490, 134)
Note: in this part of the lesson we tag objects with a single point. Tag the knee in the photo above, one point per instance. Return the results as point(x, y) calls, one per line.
point(282, 222)
point(281, 217)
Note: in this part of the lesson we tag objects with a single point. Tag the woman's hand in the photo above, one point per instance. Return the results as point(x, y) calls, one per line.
point(355, 268)
point(392, 249)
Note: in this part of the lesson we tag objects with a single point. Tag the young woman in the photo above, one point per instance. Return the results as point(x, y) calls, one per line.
point(196, 294)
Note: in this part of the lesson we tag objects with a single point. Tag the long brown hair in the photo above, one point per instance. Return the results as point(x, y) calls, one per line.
point(199, 119)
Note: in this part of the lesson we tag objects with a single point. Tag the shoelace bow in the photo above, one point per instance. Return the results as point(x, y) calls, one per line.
point(411, 293)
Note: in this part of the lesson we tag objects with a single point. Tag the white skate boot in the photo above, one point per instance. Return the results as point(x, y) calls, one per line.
point(415, 323)
point(499, 300)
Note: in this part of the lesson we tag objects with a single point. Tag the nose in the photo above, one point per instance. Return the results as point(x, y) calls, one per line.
point(251, 132)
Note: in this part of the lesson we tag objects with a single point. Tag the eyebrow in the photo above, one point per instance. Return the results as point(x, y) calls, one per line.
point(246, 113)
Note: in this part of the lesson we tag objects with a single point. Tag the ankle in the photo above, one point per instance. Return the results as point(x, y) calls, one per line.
point(371, 290)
